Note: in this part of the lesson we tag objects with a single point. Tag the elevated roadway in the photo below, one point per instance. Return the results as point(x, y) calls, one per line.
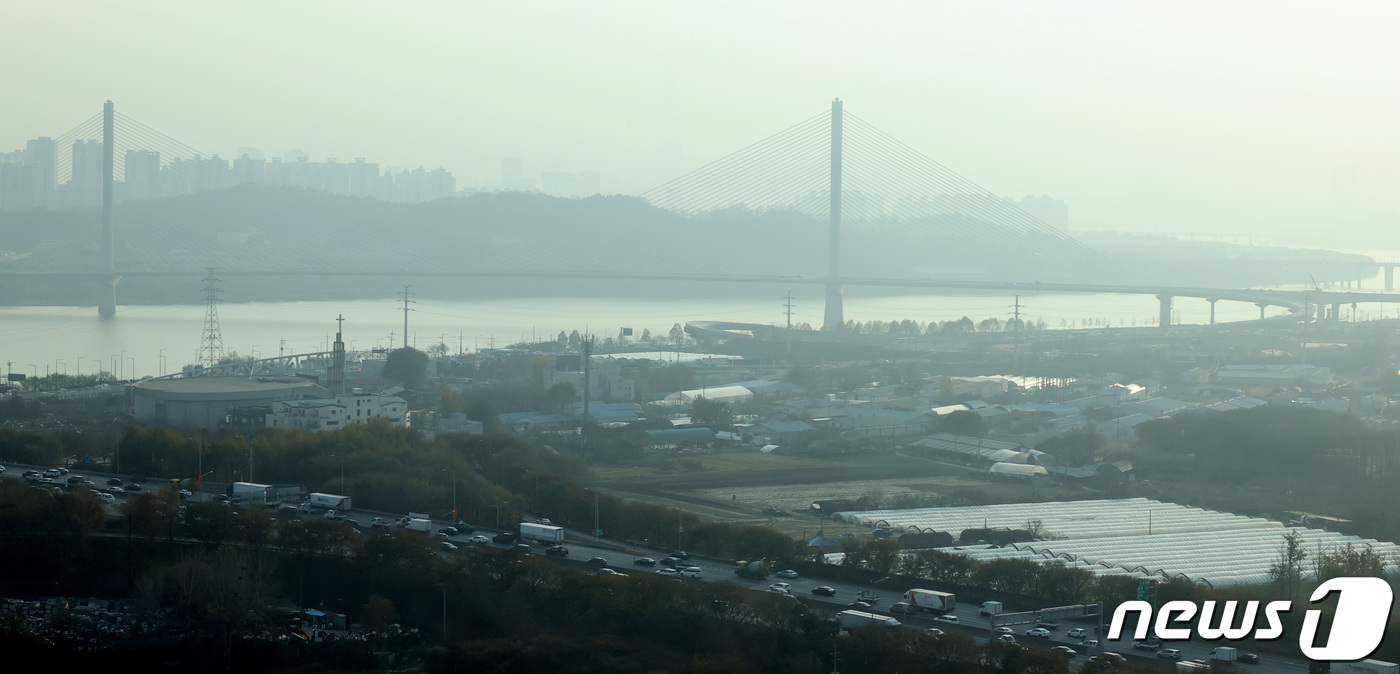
point(1292, 300)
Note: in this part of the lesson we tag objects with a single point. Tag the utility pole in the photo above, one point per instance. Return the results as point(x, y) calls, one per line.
point(1016, 338)
point(587, 370)
point(789, 321)
point(406, 302)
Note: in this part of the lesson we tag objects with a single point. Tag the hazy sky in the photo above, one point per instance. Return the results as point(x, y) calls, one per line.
point(1207, 117)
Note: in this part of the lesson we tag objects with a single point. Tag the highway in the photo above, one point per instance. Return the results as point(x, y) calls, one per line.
point(621, 557)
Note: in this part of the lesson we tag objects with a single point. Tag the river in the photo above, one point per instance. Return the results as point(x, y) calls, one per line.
point(151, 340)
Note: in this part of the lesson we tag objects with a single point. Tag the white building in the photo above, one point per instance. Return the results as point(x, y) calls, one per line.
point(722, 394)
point(328, 414)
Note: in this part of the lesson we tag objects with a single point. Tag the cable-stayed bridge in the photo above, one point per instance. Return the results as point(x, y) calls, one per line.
point(832, 186)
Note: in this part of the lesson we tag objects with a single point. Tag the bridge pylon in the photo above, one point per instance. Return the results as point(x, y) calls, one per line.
point(834, 318)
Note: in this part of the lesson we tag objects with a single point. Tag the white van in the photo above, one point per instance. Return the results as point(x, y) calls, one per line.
point(691, 572)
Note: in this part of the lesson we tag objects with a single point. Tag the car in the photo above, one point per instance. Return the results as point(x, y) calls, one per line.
point(116, 490)
point(777, 590)
point(105, 497)
point(185, 493)
point(945, 618)
point(901, 607)
point(1038, 632)
point(673, 562)
point(1248, 658)
point(668, 572)
point(644, 561)
point(691, 572)
point(1006, 638)
point(334, 514)
point(505, 537)
point(556, 551)
point(680, 554)
point(62, 471)
point(1169, 654)
point(609, 572)
point(786, 573)
point(543, 520)
point(781, 587)
point(858, 606)
point(1003, 630)
point(1112, 657)
point(1066, 650)
point(1146, 644)
point(597, 561)
point(75, 479)
point(114, 481)
point(1077, 633)
point(933, 632)
point(438, 535)
point(479, 539)
point(522, 547)
point(53, 472)
point(1048, 625)
point(133, 487)
point(824, 590)
point(447, 547)
point(1090, 643)
point(450, 531)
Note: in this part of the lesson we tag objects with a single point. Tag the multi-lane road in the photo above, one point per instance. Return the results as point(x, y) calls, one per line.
point(621, 558)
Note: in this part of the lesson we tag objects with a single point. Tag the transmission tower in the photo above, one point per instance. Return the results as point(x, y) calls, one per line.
point(211, 350)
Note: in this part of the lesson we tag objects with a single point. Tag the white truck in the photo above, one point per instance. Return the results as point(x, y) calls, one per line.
point(1365, 667)
point(992, 608)
point(850, 619)
point(931, 600)
point(419, 524)
point(331, 501)
point(1223, 654)
point(252, 492)
point(544, 533)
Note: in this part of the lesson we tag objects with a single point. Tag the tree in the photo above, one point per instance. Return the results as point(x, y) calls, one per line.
point(964, 422)
point(560, 396)
point(1075, 448)
point(1287, 569)
point(677, 334)
point(646, 335)
point(407, 365)
point(706, 411)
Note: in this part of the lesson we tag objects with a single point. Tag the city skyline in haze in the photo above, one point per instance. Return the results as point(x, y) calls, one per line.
point(1251, 118)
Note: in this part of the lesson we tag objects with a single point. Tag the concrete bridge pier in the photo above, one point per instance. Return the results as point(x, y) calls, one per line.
point(1164, 311)
point(1262, 307)
point(1389, 277)
point(1336, 312)
point(1212, 310)
point(107, 296)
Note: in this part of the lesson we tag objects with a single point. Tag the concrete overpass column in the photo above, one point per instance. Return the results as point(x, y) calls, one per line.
point(1389, 277)
point(1261, 310)
point(1336, 312)
point(1212, 310)
point(1164, 315)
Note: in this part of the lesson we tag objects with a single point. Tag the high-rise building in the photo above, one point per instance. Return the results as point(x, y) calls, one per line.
point(141, 174)
point(85, 183)
point(1048, 210)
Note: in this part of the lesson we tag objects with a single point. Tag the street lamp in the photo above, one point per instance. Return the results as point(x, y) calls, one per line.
point(121, 365)
point(80, 366)
point(56, 361)
point(162, 362)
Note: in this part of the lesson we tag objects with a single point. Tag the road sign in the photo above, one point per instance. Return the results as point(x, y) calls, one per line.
point(597, 533)
point(1144, 592)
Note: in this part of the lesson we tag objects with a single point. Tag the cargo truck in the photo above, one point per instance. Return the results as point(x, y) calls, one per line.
point(1365, 667)
point(252, 492)
point(418, 524)
point(544, 533)
point(851, 619)
point(930, 600)
point(1223, 654)
point(331, 501)
point(992, 608)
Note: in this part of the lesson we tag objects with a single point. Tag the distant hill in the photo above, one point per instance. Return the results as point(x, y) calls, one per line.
point(252, 227)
